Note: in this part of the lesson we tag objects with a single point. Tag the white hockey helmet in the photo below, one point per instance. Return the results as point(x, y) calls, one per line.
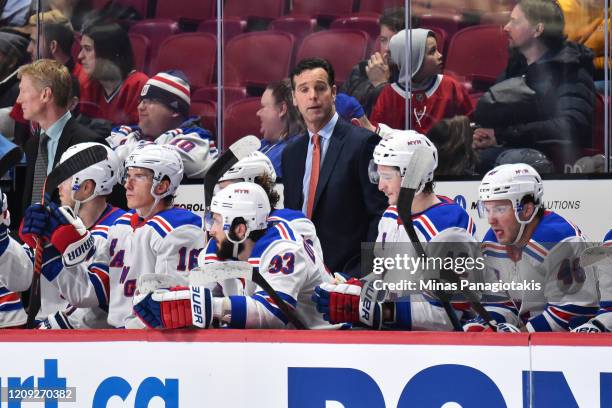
point(254, 165)
point(104, 173)
point(163, 161)
point(397, 148)
point(243, 199)
point(511, 182)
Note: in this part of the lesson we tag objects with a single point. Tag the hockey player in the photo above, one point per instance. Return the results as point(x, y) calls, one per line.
point(154, 237)
point(437, 220)
point(12, 258)
point(163, 118)
point(258, 168)
point(602, 322)
point(83, 198)
point(241, 230)
point(528, 244)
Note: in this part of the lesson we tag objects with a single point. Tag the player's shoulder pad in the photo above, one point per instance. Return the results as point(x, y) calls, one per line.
point(442, 216)
point(285, 215)
point(391, 212)
point(196, 131)
point(108, 218)
point(168, 220)
point(280, 231)
point(125, 218)
point(553, 229)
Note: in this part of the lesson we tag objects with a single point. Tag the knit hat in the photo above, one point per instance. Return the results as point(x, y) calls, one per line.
point(170, 88)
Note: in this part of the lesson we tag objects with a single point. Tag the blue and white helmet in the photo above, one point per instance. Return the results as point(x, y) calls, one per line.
point(246, 200)
point(396, 150)
point(104, 173)
point(162, 160)
point(256, 164)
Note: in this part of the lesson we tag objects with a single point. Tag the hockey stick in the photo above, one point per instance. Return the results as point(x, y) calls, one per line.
point(419, 163)
point(219, 271)
point(238, 150)
point(10, 159)
point(63, 171)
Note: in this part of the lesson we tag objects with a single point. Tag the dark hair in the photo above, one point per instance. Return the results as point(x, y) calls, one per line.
point(453, 139)
point(268, 185)
point(393, 18)
point(530, 199)
point(60, 33)
point(550, 15)
point(111, 42)
point(429, 187)
point(313, 63)
point(281, 92)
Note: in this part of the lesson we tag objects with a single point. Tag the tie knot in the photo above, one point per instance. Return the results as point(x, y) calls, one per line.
point(316, 139)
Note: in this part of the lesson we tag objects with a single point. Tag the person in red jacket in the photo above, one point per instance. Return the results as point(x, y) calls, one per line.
point(113, 89)
point(434, 96)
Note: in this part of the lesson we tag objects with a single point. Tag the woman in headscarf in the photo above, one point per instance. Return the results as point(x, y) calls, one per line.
point(434, 96)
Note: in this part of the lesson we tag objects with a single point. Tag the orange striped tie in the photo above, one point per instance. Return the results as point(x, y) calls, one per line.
point(314, 172)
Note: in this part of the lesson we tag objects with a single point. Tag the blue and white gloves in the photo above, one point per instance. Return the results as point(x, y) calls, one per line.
point(176, 307)
point(61, 227)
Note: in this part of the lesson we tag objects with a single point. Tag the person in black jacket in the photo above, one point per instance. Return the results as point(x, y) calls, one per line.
point(369, 76)
point(44, 94)
point(560, 72)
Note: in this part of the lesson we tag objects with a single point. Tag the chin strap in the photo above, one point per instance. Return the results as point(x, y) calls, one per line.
point(523, 223)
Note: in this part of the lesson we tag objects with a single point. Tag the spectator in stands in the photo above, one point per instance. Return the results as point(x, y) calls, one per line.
point(280, 121)
point(163, 118)
point(113, 89)
point(368, 77)
point(55, 42)
point(44, 94)
point(12, 55)
point(14, 12)
point(434, 96)
point(584, 24)
point(453, 139)
point(560, 73)
point(328, 169)
point(75, 10)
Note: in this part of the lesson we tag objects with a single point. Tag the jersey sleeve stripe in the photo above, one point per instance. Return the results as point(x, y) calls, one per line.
point(421, 228)
point(98, 275)
point(239, 312)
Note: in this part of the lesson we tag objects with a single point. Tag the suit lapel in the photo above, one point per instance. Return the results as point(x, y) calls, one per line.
point(65, 141)
point(336, 142)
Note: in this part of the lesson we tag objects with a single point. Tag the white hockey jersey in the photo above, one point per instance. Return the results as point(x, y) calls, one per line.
point(91, 278)
point(289, 265)
point(14, 265)
point(604, 278)
point(550, 262)
point(298, 223)
point(195, 145)
point(441, 228)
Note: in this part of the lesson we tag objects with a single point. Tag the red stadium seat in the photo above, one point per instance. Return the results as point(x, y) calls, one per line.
point(141, 6)
point(378, 6)
point(140, 48)
point(156, 30)
point(232, 26)
point(298, 26)
point(210, 93)
point(240, 119)
point(177, 52)
point(477, 54)
point(263, 9)
point(186, 9)
point(322, 8)
point(258, 58)
point(343, 48)
point(369, 24)
point(449, 21)
point(598, 137)
point(207, 111)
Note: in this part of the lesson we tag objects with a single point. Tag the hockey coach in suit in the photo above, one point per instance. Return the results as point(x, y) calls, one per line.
point(325, 170)
point(45, 95)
